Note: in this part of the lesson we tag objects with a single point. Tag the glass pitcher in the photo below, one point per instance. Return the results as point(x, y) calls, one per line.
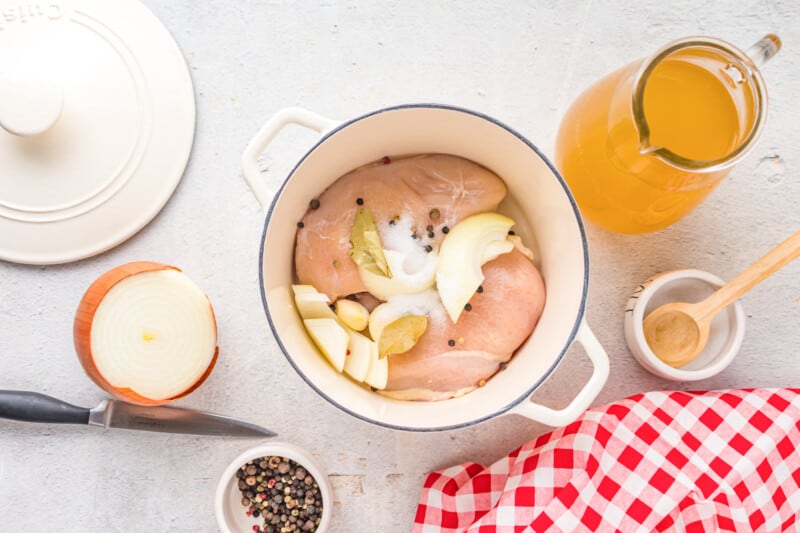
point(646, 144)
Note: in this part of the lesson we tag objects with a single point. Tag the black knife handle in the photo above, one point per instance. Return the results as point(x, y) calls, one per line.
point(34, 407)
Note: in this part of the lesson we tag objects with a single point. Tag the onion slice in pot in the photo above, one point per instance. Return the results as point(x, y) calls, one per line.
point(145, 333)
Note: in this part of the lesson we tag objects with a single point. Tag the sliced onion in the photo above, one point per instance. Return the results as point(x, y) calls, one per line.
point(402, 281)
point(145, 333)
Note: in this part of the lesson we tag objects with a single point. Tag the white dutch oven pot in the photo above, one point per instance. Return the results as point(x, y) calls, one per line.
point(539, 201)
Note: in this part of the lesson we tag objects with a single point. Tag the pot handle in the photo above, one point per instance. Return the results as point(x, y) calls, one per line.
point(584, 398)
point(270, 130)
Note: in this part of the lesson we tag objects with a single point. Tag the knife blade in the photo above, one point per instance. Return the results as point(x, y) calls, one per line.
point(35, 407)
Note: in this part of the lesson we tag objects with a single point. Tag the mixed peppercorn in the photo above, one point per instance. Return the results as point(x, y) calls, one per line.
point(282, 493)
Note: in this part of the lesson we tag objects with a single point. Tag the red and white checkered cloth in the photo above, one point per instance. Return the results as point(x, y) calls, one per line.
point(660, 461)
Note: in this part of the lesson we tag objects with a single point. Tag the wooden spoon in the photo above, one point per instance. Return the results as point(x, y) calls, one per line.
point(677, 332)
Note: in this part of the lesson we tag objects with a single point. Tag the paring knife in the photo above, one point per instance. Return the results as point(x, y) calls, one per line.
point(34, 407)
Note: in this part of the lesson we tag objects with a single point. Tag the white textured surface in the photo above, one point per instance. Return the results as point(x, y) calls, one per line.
point(520, 63)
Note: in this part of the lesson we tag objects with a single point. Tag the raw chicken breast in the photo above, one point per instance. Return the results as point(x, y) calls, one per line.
point(407, 190)
point(503, 315)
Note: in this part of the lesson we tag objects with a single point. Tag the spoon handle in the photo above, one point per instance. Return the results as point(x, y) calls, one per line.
point(768, 264)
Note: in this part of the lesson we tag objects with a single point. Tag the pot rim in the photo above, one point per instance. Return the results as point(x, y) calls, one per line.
point(584, 243)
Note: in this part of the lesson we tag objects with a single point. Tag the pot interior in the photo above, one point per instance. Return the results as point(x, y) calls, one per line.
point(537, 200)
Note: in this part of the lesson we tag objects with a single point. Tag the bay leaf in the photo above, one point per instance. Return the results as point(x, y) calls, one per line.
point(367, 249)
point(401, 335)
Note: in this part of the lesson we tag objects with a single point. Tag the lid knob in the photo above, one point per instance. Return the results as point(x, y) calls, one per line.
point(29, 105)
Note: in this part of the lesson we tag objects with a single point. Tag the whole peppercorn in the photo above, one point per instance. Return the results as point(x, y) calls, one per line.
point(314, 204)
point(360, 201)
point(286, 497)
point(480, 288)
point(301, 225)
point(445, 230)
point(451, 343)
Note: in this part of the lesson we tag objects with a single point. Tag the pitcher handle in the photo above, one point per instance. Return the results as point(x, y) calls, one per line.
point(270, 130)
point(585, 397)
point(763, 50)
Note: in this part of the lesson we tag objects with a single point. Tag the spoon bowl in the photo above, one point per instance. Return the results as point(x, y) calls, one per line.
point(674, 334)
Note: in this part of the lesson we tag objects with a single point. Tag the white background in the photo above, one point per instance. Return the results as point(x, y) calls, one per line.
point(520, 62)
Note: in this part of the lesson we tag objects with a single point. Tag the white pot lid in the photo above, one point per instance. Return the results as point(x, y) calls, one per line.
point(97, 118)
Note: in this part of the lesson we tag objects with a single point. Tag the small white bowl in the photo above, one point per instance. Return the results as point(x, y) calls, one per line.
point(231, 514)
point(725, 337)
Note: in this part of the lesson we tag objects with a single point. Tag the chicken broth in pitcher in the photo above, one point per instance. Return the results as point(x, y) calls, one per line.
point(646, 144)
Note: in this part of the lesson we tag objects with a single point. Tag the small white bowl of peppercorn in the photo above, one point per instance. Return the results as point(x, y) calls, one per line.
point(274, 488)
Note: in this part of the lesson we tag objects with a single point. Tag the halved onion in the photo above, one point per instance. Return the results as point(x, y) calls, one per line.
point(146, 333)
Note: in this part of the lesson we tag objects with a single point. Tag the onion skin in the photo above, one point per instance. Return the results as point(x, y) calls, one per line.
point(82, 329)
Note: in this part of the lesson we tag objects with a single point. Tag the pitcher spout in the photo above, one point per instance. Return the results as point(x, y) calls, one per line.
point(646, 149)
